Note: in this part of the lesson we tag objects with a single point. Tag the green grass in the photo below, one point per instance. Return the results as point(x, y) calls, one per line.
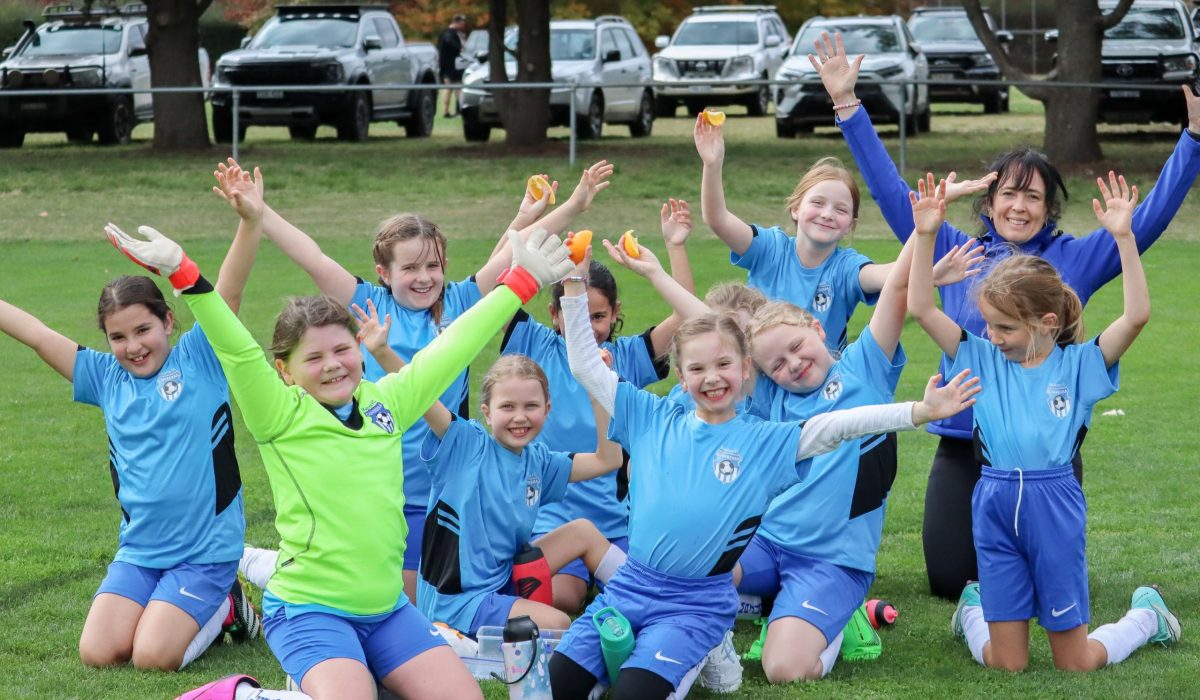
point(59, 519)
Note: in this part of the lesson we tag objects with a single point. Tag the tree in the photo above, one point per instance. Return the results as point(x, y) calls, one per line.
point(1071, 114)
point(173, 43)
point(525, 113)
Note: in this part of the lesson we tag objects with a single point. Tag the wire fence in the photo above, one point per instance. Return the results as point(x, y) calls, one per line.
point(1121, 89)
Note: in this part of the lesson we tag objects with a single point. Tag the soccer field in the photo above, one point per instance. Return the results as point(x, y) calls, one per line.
point(59, 518)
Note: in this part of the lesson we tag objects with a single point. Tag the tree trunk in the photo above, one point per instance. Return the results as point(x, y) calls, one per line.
point(173, 43)
point(527, 114)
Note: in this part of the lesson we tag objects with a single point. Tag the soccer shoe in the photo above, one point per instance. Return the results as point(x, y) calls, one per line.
point(860, 641)
point(969, 596)
point(722, 671)
point(754, 653)
point(242, 624)
point(224, 689)
point(1149, 598)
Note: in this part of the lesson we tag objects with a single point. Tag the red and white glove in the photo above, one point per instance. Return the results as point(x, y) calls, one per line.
point(156, 253)
point(541, 260)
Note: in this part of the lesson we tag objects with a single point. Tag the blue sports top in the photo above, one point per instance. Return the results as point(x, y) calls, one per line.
point(570, 425)
point(697, 492)
point(1086, 263)
point(836, 513)
point(483, 505)
point(1034, 418)
point(170, 453)
point(412, 330)
point(830, 291)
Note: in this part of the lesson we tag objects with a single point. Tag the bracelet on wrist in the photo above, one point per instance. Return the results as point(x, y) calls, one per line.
point(576, 278)
point(848, 105)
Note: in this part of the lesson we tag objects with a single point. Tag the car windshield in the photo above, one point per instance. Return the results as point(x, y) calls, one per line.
point(565, 44)
point(477, 43)
point(859, 38)
point(68, 40)
point(712, 33)
point(942, 27)
point(307, 31)
point(1146, 23)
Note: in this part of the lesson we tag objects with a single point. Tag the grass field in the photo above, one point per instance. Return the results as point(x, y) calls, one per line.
point(59, 518)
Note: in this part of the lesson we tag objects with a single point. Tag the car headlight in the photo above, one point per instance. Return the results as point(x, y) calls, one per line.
point(332, 73)
point(221, 75)
point(739, 64)
point(984, 60)
point(86, 77)
point(475, 77)
point(890, 71)
point(665, 66)
point(1174, 64)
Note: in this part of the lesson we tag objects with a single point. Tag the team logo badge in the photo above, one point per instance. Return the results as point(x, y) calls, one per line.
point(823, 298)
point(533, 490)
point(726, 465)
point(381, 417)
point(170, 385)
point(1058, 397)
point(833, 388)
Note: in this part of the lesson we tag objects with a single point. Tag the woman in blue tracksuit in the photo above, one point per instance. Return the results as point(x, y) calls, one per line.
point(1018, 205)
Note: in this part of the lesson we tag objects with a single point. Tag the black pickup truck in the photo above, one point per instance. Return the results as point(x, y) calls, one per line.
point(326, 45)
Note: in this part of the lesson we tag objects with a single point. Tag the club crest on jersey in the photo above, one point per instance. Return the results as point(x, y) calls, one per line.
point(833, 388)
point(170, 384)
point(727, 464)
point(533, 490)
point(381, 417)
point(823, 298)
point(1058, 397)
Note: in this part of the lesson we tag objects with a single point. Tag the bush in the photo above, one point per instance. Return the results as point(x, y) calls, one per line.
point(12, 13)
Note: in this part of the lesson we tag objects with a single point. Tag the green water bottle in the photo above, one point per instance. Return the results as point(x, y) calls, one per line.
point(616, 640)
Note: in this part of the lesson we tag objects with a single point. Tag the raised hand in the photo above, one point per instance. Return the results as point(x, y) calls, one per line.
point(1193, 109)
point(591, 182)
point(958, 395)
point(646, 264)
point(531, 207)
point(372, 333)
point(156, 253)
point(838, 74)
point(710, 141)
point(240, 189)
point(676, 222)
point(955, 189)
point(543, 256)
point(961, 262)
point(1116, 214)
point(928, 205)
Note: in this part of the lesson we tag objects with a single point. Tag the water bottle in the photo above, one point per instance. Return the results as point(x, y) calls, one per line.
point(531, 576)
point(616, 640)
point(526, 660)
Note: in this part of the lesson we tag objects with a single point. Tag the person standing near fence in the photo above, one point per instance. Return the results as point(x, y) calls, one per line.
point(450, 47)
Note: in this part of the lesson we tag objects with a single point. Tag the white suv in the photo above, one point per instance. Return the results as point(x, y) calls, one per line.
point(724, 45)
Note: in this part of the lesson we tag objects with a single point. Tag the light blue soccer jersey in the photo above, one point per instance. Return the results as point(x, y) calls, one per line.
point(170, 454)
point(571, 426)
point(412, 330)
point(830, 291)
point(1034, 418)
point(746, 405)
point(697, 492)
point(836, 513)
point(484, 501)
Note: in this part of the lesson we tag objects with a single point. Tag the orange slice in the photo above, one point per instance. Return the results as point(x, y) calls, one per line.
point(539, 187)
point(578, 243)
point(629, 243)
point(714, 117)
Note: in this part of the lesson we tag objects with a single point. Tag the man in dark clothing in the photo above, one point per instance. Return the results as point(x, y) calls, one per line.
point(450, 46)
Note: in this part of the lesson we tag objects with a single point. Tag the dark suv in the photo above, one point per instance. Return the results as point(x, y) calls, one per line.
point(956, 53)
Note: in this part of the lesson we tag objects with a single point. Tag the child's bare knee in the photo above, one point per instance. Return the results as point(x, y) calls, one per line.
point(156, 658)
point(782, 670)
point(99, 656)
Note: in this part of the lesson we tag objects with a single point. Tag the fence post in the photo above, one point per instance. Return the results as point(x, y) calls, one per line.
point(571, 126)
point(236, 103)
point(903, 124)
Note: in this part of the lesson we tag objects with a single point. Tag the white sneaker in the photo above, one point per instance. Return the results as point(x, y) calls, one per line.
point(722, 671)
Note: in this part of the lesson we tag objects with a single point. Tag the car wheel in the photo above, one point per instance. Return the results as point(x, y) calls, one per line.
point(995, 102)
point(11, 136)
point(760, 102)
point(590, 124)
point(695, 107)
point(222, 124)
point(357, 122)
point(644, 122)
point(925, 120)
point(80, 134)
point(473, 130)
point(420, 124)
point(117, 125)
point(665, 107)
point(303, 132)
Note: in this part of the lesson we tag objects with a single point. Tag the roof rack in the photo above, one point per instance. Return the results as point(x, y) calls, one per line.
point(955, 8)
point(617, 19)
point(350, 9)
point(734, 8)
point(68, 11)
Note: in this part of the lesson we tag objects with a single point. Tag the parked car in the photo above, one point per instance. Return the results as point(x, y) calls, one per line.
point(725, 45)
point(1156, 44)
point(891, 58)
point(603, 55)
point(79, 49)
point(327, 45)
point(955, 52)
point(475, 49)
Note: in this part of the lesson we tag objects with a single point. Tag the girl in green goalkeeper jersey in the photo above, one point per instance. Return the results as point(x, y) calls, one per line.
point(335, 611)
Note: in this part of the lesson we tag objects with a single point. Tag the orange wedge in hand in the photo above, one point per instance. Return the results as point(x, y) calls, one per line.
point(714, 117)
point(578, 243)
point(629, 244)
point(539, 187)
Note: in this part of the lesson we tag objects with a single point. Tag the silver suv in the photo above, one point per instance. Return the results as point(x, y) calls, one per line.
point(725, 46)
point(603, 55)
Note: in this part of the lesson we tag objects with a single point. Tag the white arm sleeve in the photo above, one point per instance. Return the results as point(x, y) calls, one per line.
point(583, 356)
point(824, 432)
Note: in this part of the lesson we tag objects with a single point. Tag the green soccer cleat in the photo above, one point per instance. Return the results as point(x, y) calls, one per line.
point(860, 641)
point(1149, 598)
point(754, 653)
point(969, 597)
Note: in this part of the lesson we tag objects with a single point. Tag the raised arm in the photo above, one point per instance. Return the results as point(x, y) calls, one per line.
point(710, 144)
point(245, 194)
point(928, 214)
point(676, 220)
point(684, 304)
point(887, 321)
point(55, 349)
point(599, 381)
point(531, 208)
point(1116, 215)
point(607, 457)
